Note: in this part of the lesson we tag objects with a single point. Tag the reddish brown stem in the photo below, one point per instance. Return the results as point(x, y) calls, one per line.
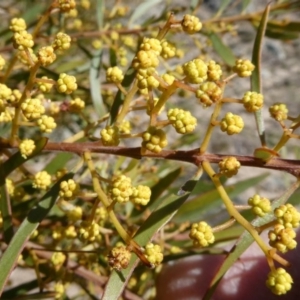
point(190, 156)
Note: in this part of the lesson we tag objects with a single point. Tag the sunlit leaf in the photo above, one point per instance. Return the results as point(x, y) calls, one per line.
point(95, 85)
point(223, 51)
point(223, 5)
point(142, 9)
point(256, 74)
point(17, 243)
point(209, 199)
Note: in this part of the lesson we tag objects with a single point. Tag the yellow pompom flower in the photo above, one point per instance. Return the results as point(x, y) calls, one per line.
point(76, 105)
point(46, 123)
point(26, 147)
point(17, 24)
point(154, 254)
point(232, 124)
point(46, 55)
point(32, 108)
point(243, 67)
point(279, 281)
point(201, 234)
point(66, 84)
point(62, 41)
point(23, 39)
point(42, 180)
point(66, 5)
point(114, 74)
point(191, 24)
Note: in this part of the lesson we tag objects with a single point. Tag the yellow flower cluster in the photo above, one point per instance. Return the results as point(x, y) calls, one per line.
point(23, 39)
point(66, 84)
point(89, 231)
point(68, 189)
point(76, 105)
point(168, 50)
point(214, 71)
point(46, 55)
point(125, 127)
point(45, 87)
point(119, 257)
point(281, 238)
point(154, 139)
point(66, 5)
point(42, 180)
point(229, 166)
point(140, 195)
point(114, 74)
point(243, 67)
point(62, 41)
point(182, 120)
point(32, 108)
point(279, 281)
point(46, 123)
point(287, 215)
point(74, 214)
point(195, 71)
point(58, 258)
point(201, 234)
point(279, 111)
point(253, 101)
point(208, 93)
point(26, 147)
point(232, 124)
point(120, 189)
point(154, 254)
point(260, 205)
point(191, 24)
point(17, 24)
point(110, 136)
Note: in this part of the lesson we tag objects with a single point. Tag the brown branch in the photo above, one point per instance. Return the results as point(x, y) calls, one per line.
point(190, 156)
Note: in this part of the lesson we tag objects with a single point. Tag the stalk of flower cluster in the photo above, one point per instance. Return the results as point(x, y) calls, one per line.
point(210, 127)
point(237, 216)
point(103, 198)
point(29, 86)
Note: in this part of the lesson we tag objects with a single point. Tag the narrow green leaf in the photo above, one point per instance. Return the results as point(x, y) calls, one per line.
point(99, 12)
point(119, 99)
point(195, 207)
point(112, 57)
point(223, 5)
point(256, 74)
point(245, 241)
point(286, 26)
point(142, 9)
point(223, 51)
point(281, 35)
point(95, 85)
point(194, 4)
point(164, 183)
point(70, 65)
point(35, 216)
point(6, 214)
point(20, 289)
point(32, 11)
point(245, 4)
point(118, 280)
point(58, 162)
